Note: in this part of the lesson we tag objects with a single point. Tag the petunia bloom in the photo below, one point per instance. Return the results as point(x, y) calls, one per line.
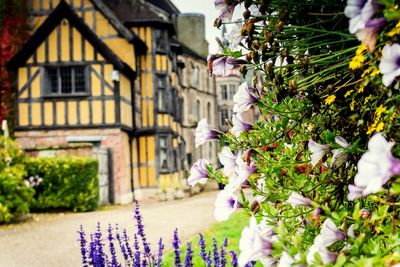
point(375, 168)
point(330, 233)
point(225, 204)
point(339, 155)
point(228, 160)
point(359, 12)
point(234, 36)
point(222, 66)
point(244, 98)
point(287, 261)
point(204, 133)
point(368, 35)
point(390, 63)
point(244, 169)
point(298, 200)
point(226, 9)
point(198, 172)
point(255, 242)
point(317, 151)
point(318, 247)
point(239, 125)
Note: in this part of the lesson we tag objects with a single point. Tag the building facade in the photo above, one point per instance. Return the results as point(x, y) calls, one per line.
point(106, 73)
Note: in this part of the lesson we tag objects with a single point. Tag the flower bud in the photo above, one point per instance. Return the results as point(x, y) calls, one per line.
point(255, 207)
point(243, 70)
point(217, 23)
point(279, 26)
point(246, 14)
point(268, 37)
point(365, 214)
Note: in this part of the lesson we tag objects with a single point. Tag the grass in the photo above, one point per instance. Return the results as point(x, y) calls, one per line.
point(231, 229)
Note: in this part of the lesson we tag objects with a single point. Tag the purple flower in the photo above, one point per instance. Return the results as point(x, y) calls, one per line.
point(317, 151)
point(225, 204)
point(223, 253)
point(121, 244)
point(245, 169)
point(226, 9)
point(234, 36)
point(228, 160)
point(298, 200)
point(140, 230)
point(368, 35)
point(160, 252)
point(217, 261)
point(189, 255)
point(330, 233)
point(390, 63)
point(375, 168)
point(222, 66)
point(204, 133)
point(255, 242)
point(359, 12)
point(239, 125)
point(111, 246)
point(198, 172)
point(83, 242)
point(177, 251)
point(244, 98)
point(234, 261)
point(202, 245)
point(125, 238)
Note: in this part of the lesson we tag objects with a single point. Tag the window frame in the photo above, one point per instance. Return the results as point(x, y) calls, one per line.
point(46, 82)
point(162, 93)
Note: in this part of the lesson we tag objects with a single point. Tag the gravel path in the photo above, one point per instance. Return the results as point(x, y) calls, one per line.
point(51, 239)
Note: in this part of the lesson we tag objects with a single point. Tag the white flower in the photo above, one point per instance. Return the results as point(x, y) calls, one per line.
point(330, 233)
point(228, 160)
point(244, 98)
point(339, 155)
point(318, 247)
point(390, 63)
point(375, 168)
point(298, 200)
point(198, 172)
point(244, 170)
point(255, 242)
point(225, 204)
point(286, 260)
point(317, 151)
point(359, 12)
point(234, 36)
point(239, 125)
point(204, 133)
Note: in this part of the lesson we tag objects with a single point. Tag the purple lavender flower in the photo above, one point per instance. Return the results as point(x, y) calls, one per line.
point(121, 243)
point(202, 245)
point(177, 252)
point(189, 255)
point(111, 246)
point(83, 242)
point(239, 125)
point(244, 98)
point(226, 9)
point(96, 248)
point(204, 133)
point(140, 230)
point(217, 260)
point(125, 238)
point(223, 253)
point(234, 261)
point(160, 252)
point(198, 172)
point(375, 168)
point(390, 63)
point(137, 259)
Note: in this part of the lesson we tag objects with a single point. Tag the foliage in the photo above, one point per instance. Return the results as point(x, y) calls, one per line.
point(68, 183)
point(15, 196)
point(316, 164)
point(135, 251)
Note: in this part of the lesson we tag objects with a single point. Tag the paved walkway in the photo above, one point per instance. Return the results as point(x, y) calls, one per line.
point(51, 239)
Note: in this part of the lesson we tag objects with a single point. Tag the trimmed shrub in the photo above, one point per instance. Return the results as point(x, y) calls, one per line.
point(67, 183)
point(15, 195)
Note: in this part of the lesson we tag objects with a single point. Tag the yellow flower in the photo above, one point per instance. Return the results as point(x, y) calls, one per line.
point(394, 31)
point(356, 62)
point(367, 99)
point(393, 116)
point(375, 72)
point(379, 110)
point(371, 129)
point(348, 93)
point(361, 89)
point(330, 99)
point(361, 49)
point(352, 105)
point(380, 126)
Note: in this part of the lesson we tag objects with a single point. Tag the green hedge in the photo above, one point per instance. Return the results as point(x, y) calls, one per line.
point(15, 195)
point(68, 183)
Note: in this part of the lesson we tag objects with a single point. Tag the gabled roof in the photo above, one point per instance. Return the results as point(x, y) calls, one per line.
point(65, 11)
point(165, 5)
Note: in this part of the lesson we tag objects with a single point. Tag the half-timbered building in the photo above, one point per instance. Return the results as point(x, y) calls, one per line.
point(105, 73)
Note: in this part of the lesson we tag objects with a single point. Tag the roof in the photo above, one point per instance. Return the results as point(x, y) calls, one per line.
point(140, 12)
point(65, 11)
point(165, 5)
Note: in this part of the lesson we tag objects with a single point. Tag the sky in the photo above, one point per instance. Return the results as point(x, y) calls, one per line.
point(207, 8)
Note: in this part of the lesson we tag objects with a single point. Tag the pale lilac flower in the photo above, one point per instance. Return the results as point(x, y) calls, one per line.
point(234, 36)
point(350, 232)
point(225, 204)
point(235, 182)
point(330, 233)
point(204, 133)
point(198, 172)
point(318, 247)
point(244, 170)
point(339, 155)
point(359, 12)
point(222, 66)
point(239, 125)
point(228, 160)
point(244, 98)
point(255, 11)
point(368, 35)
point(298, 200)
point(317, 151)
point(390, 63)
point(287, 261)
point(375, 168)
point(226, 10)
point(255, 242)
